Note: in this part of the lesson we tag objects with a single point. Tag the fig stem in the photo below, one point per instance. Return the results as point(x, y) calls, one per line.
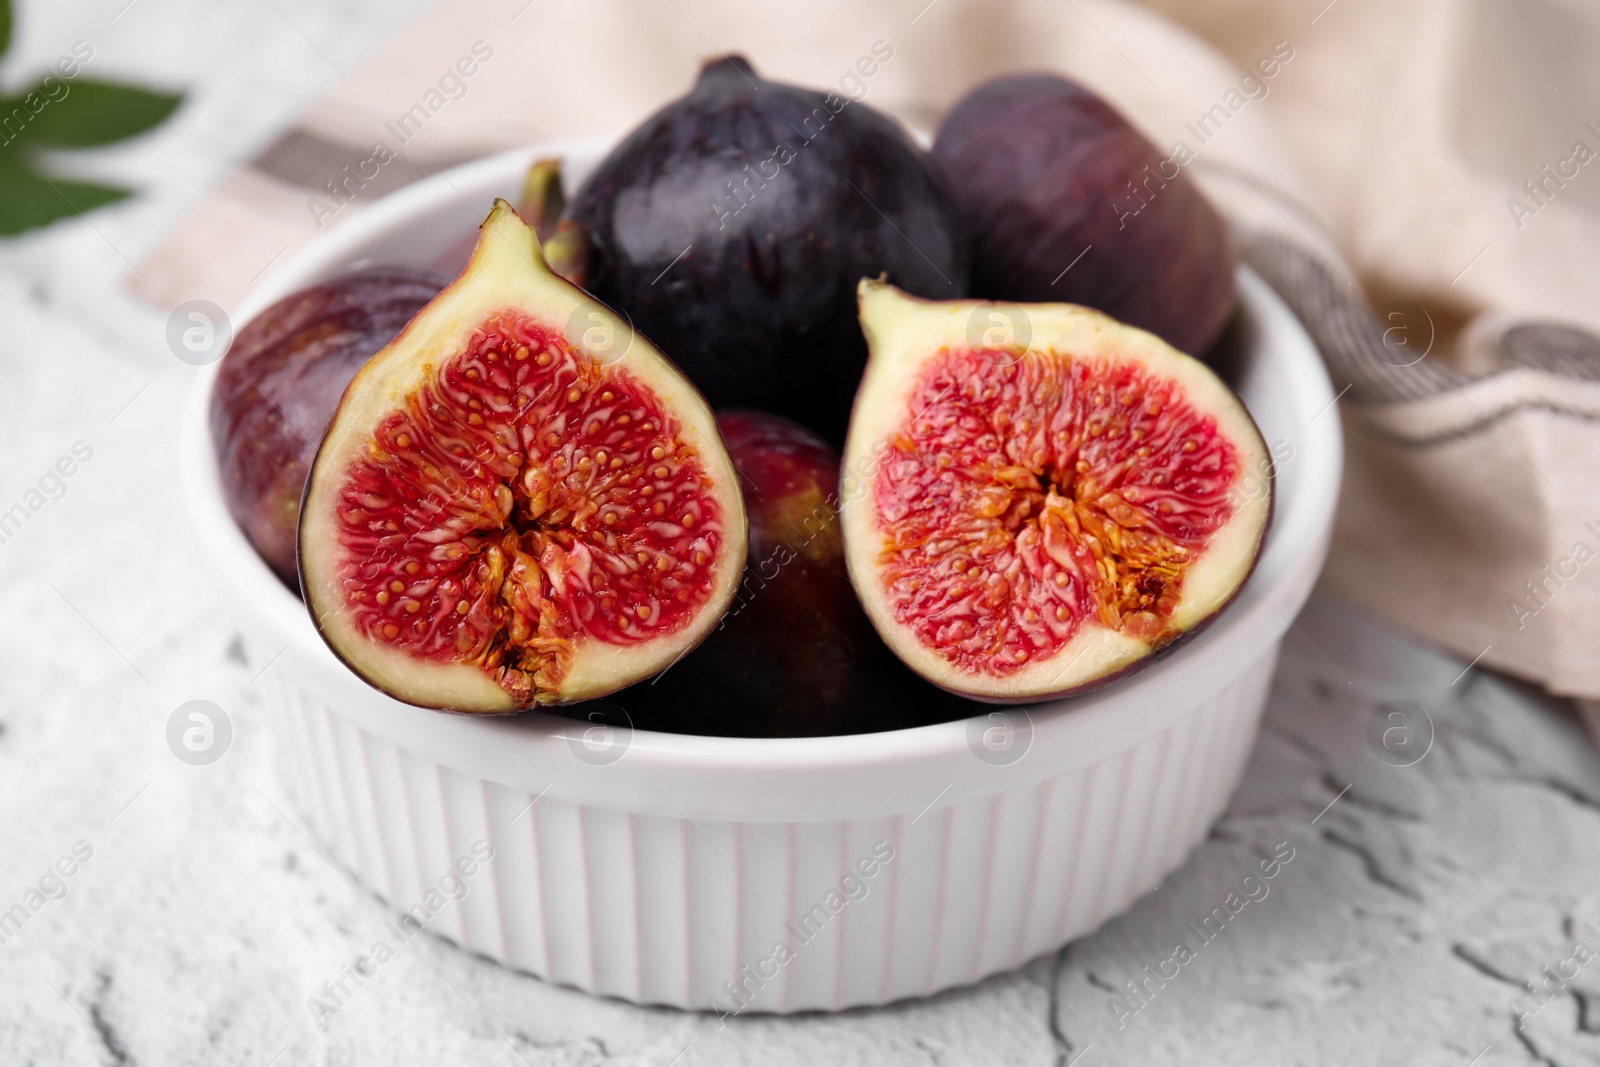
point(568, 252)
point(542, 200)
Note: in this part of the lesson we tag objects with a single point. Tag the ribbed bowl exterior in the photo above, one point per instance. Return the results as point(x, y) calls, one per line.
point(769, 874)
point(664, 910)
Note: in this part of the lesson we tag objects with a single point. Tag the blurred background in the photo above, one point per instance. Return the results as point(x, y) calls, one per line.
point(1432, 160)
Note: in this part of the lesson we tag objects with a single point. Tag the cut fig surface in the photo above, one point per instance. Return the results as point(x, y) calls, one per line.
point(1031, 519)
point(519, 501)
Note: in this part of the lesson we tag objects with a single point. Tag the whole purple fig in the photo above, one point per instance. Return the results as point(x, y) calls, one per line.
point(279, 384)
point(1062, 200)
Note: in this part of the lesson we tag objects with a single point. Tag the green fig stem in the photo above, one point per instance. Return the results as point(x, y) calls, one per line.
point(542, 200)
point(569, 252)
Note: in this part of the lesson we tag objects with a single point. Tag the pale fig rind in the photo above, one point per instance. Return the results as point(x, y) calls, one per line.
point(507, 280)
point(910, 339)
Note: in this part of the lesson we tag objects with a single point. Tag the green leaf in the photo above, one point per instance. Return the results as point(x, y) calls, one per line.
point(83, 113)
point(5, 26)
point(29, 199)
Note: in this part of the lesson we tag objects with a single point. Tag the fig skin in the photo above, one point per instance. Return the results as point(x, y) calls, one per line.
point(1041, 170)
point(795, 655)
point(778, 199)
point(279, 384)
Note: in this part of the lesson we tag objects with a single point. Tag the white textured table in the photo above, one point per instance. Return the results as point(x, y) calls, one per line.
point(202, 921)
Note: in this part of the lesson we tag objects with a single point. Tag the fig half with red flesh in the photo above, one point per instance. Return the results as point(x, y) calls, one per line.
point(511, 510)
point(1038, 510)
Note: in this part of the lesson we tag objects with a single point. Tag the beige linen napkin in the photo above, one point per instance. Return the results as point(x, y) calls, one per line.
point(1453, 149)
point(1358, 146)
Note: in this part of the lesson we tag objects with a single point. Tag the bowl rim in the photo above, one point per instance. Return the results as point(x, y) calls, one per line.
point(1156, 695)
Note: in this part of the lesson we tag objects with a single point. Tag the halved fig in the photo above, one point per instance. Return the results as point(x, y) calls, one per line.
point(519, 500)
point(1037, 497)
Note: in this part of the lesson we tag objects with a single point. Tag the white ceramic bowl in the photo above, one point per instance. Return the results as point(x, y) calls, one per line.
point(664, 869)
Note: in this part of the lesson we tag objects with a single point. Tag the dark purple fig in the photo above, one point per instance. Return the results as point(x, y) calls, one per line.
point(1045, 172)
point(733, 226)
point(795, 654)
point(279, 384)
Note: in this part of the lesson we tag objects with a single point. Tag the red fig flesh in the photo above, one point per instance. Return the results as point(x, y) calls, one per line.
point(1034, 519)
